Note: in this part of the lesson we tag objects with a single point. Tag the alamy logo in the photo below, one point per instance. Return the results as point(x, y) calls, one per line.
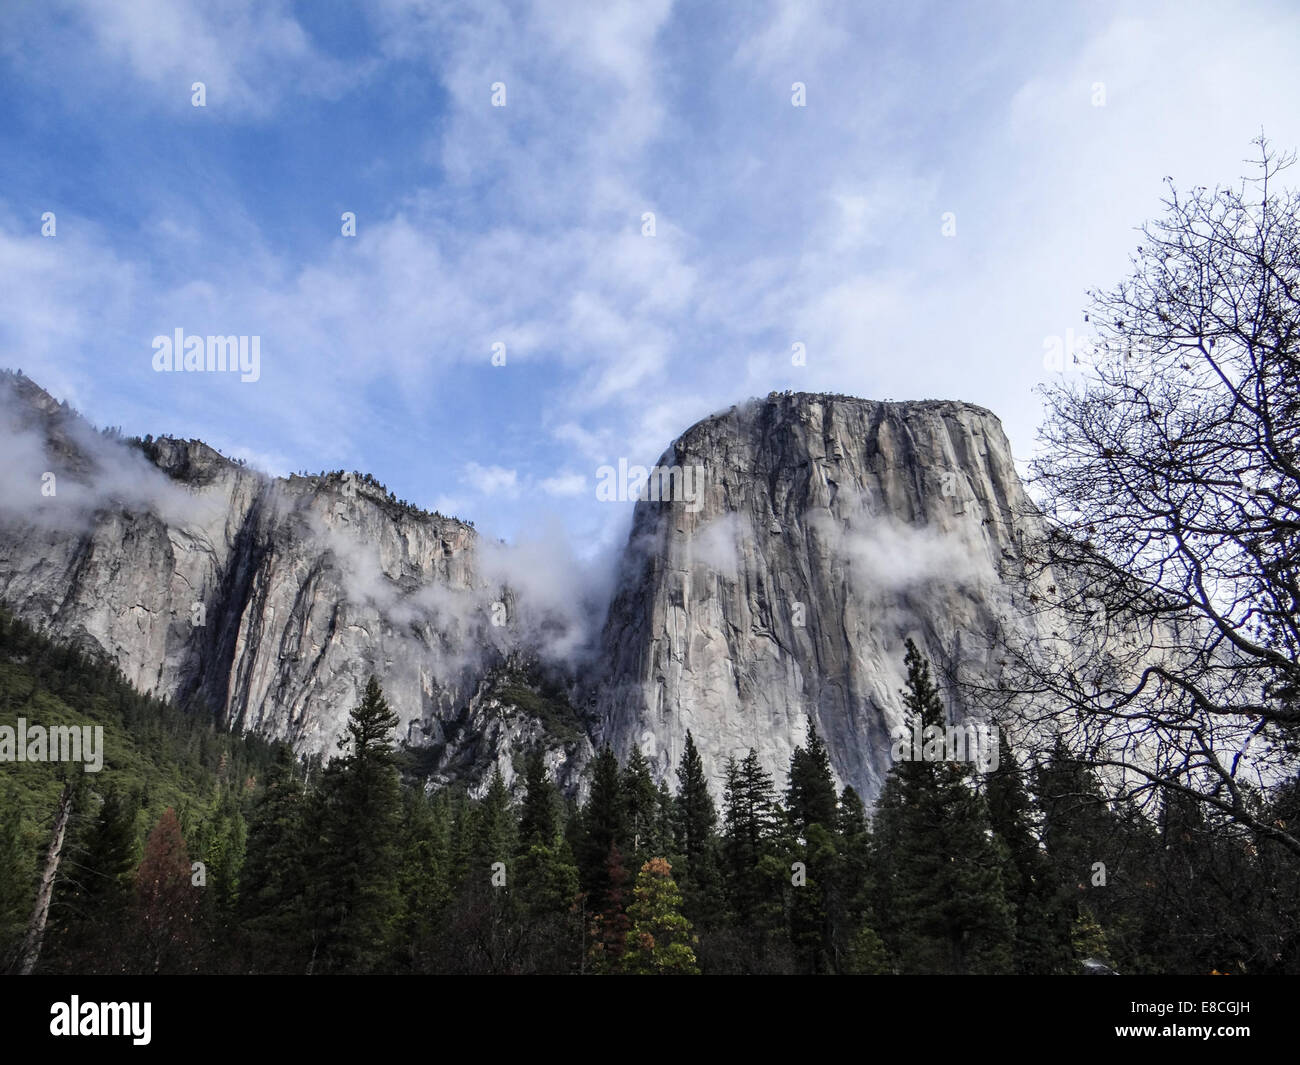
point(58, 743)
point(102, 1018)
point(956, 743)
point(658, 484)
point(196, 354)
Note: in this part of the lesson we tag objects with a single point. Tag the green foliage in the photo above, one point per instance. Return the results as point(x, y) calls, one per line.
point(610, 926)
point(810, 795)
point(166, 900)
point(424, 879)
point(641, 810)
point(539, 817)
point(695, 829)
point(101, 853)
point(659, 939)
point(942, 906)
point(603, 826)
point(816, 906)
point(547, 703)
point(756, 866)
point(353, 889)
point(1042, 917)
point(156, 756)
point(272, 907)
point(342, 869)
point(17, 873)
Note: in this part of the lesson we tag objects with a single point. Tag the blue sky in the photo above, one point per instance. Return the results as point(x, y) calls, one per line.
point(774, 224)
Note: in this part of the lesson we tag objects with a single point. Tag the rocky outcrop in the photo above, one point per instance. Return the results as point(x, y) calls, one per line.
point(268, 602)
point(772, 589)
point(828, 530)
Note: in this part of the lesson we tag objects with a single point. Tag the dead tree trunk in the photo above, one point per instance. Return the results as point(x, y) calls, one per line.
point(36, 926)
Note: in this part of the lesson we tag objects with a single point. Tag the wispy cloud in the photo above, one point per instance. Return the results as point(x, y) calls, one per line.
point(491, 480)
point(518, 233)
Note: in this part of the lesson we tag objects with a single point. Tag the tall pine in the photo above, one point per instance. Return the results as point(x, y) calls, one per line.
point(357, 899)
point(942, 905)
point(815, 904)
point(659, 938)
point(1042, 938)
point(272, 907)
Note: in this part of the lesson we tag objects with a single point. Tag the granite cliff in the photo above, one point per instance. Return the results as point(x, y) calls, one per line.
point(831, 529)
point(821, 533)
point(265, 601)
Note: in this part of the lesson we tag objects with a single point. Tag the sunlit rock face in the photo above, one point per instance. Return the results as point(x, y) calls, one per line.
point(265, 601)
point(827, 531)
point(772, 586)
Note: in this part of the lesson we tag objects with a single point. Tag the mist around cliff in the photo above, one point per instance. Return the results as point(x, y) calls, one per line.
point(58, 470)
point(536, 595)
point(539, 595)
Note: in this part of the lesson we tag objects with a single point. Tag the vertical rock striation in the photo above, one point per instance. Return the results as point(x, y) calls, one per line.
point(827, 530)
point(831, 530)
point(267, 601)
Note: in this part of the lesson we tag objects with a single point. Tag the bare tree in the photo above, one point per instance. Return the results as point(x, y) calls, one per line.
point(1169, 477)
point(31, 949)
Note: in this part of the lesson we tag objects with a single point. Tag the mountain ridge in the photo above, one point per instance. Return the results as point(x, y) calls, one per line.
point(308, 583)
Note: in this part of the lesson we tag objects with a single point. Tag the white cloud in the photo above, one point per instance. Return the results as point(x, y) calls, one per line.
point(275, 465)
point(887, 556)
point(453, 506)
point(64, 486)
point(795, 38)
point(588, 443)
point(774, 225)
point(565, 484)
point(249, 54)
point(717, 545)
point(491, 480)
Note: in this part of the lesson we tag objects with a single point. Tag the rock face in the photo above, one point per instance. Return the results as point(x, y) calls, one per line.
point(268, 601)
point(773, 589)
point(827, 531)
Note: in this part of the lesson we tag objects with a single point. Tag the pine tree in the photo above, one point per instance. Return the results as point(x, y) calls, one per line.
point(425, 877)
point(610, 926)
point(812, 813)
point(1273, 916)
point(1088, 939)
point(942, 902)
point(488, 934)
point(538, 817)
point(273, 901)
point(356, 897)
point(17, 876)
point(464, 827)
point(855, 946)
point(659, 939)
point(749, 832)
point(1076, 817)
point(604, 825)
point(547, 878)
point(229, 853)
point(96, 897)
point(166, 900)
point(1079, 830)
point(1042, 937)
point(221, 846)
point(640, 808)
point(548, 897)
point(663, 836)
point(696, 830)
point(812, 899)
point(497, 832)
point(810, 794)
point(756, 862)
